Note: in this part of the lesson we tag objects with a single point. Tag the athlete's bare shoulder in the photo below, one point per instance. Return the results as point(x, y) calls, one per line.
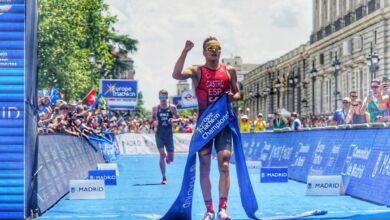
point(231, 72)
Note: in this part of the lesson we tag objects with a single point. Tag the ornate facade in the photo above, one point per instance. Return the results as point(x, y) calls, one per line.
point(313, 78)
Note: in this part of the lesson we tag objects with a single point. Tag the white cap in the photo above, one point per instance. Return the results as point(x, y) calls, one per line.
point(244, 117)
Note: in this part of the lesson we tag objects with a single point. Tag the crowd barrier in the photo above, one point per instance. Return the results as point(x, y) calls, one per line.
point(60, 159)
point(361, 156)
point(131, 143)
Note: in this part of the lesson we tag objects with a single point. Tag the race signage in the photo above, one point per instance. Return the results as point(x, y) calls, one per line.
point(86, 189)
point(120, 94)
point(274, 174)
point(12, 109)
point(324, 185)
point(108, 176)
point(108, 166)
point(187, 100)
point(253, 166)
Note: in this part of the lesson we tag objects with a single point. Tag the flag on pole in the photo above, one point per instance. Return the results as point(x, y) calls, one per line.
point(90, 97)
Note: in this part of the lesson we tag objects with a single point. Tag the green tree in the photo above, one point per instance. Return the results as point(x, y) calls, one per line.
point(140, 111)
point(68, 31)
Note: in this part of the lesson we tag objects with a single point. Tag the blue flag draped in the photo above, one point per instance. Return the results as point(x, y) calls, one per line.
point(216, 117)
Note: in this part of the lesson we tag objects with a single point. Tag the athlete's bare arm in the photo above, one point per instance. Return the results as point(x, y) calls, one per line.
point(235, 93)
point(178, 72)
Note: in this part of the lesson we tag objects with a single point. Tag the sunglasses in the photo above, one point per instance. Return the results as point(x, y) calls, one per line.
point(354, 96)
point(374, 87)
point(213, 47)
point(162, 98)
point(345, 102)
point(355, 105)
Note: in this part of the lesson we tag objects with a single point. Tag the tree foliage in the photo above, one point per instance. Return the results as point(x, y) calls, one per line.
point(68, 31)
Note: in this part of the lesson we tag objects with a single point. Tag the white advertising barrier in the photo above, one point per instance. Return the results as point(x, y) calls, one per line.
point(253, 166)
point(87, 189)
point(108, 166)
point(131, 143)
point(324, 185)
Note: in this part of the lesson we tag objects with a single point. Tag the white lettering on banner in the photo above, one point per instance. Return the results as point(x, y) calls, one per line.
point(276, 151)
point(3, 55)
point(9, 113)
point(286, 155)
point(304, 148)
point(91, 189)
point(267, 146)
point(276, 174)
point(299, 161)
point(320, 148)
point(317, 159)
point(378, 161)
point(355, 170)
point(123, 92)
point(385, 169)
point(336, 149)
point(188, 200)
point(361, 153)
point(207, 127)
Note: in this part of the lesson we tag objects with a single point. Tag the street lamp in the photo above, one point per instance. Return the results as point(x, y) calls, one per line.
point(277, 90)
point(91, 60)
point(372, 62)
point(336, 68)
point(313, 74)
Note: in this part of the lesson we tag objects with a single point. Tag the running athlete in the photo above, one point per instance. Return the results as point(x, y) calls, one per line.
point(164, 115)
point(211, 81)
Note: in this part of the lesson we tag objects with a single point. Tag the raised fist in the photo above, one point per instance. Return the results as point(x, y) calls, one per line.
point(189, 45)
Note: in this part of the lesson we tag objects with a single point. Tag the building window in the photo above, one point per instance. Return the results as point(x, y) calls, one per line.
point(375, 37)
point(322, 59)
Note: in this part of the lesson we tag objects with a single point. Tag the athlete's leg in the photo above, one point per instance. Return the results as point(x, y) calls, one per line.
point(223, 145)
point(163, 155)
point(224, 176)
point(170, 149)
point(205, 182)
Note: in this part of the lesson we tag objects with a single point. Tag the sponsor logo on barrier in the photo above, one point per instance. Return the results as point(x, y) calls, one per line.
point(324, 185)
point(108, 176)
point(253, 166)
point(108, 166)
point(86, 189)
point(274, 174)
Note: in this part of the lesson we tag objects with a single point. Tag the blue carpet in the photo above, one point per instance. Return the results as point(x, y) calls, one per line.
point(139, 195)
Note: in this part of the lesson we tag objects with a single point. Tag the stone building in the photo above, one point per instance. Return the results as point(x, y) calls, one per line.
point(348, 47)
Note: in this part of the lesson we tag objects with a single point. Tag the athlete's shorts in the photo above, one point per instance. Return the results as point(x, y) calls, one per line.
point(222, 141)
point(165, 139)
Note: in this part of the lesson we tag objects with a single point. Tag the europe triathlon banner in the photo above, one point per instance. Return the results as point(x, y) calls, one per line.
point(120, 94)
point(12, 108)
point(187, 100)
point(361, 156)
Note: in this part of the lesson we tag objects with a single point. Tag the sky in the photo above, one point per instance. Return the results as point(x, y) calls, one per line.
point(255, 30)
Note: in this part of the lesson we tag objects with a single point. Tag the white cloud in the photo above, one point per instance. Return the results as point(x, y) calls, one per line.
point(256, 30)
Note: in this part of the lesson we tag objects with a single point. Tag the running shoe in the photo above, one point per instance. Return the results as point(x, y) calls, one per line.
point(208, 216)
point(223, 215)
point(164, 181)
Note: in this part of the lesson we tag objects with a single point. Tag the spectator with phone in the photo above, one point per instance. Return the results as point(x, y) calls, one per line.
point(357, 114)
point(374, 102)
point(244, 122)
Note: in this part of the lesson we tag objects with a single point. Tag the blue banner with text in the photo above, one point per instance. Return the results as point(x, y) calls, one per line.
point(361, 156)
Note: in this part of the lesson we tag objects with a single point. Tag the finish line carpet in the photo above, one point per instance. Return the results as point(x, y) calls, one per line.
point(139, 195)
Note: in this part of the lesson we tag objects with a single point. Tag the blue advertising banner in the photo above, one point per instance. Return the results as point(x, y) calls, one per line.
point(119, 94)
point(12, 108)
point(274, 174)
point(361, 156)
point(109, 176)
